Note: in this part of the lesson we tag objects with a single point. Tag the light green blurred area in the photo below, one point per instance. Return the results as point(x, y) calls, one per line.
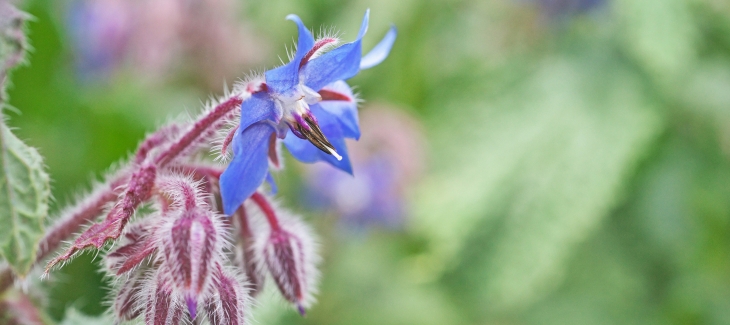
point(578, 166)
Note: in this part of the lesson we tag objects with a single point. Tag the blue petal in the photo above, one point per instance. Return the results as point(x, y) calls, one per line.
point(257, 108)
point(286, 77)
point(249, 166)
point(305, 41)
point(364, 25)
point(339, 64)
point(380, 51)
point(305, 151)
point(344, 111)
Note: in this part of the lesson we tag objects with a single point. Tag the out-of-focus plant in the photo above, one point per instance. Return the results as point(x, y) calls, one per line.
point(389, 161)
point(153, 39)
point(194, 239)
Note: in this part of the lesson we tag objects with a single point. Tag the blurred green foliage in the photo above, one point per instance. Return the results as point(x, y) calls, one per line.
point(579, 164)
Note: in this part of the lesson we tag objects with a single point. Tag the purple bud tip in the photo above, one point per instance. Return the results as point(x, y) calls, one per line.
point(192, 306)
point(301, 310)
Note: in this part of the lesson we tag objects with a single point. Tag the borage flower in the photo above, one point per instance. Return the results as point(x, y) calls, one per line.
point(308, 96)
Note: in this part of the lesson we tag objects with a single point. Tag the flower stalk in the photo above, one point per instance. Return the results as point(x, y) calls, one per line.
point(172, 264)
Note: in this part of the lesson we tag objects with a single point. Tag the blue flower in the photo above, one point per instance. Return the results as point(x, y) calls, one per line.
point(308, 96)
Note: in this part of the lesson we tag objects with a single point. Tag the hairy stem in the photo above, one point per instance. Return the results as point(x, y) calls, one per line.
point(200, 127)
point(142, 179)
point(267, 209)
point(87, 210)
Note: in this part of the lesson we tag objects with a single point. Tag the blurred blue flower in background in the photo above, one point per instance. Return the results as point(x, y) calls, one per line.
point(156, 39)
point(389, 160)
point(99, 31)
point(289, 98)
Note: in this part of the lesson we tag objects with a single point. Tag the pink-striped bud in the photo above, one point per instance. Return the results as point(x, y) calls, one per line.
point(229, 300)
point(162, 306)
point(245, 254)
point(192, 246)
point(127, 305)
point(289, 254)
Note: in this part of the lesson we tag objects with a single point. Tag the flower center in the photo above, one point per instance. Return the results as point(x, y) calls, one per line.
point(301, 121)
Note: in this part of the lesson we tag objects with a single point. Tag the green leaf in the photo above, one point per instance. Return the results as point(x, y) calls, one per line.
point(24, 184)
point(545, 162)
point(24, 195)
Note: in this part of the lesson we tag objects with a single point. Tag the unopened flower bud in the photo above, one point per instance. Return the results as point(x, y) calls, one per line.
point(245, 254)
point(289, 254)
point(162, 306)
point(192, 245)
point(126, 304)
point(228, 302)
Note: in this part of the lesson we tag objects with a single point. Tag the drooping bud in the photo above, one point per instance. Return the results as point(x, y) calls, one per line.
point(162, 306)
point(127, 305)
point(289, 254)
point(192, 245)
point(246, 254)
point(229, 300)
point(182, 193)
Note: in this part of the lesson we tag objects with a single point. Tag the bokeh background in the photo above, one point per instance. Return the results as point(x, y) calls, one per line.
point(522, 161)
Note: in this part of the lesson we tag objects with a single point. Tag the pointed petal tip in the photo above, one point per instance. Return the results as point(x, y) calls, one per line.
point(293, 18)
point(381, 51)
point(229, 208)
point(301, 310)
point(364, 26)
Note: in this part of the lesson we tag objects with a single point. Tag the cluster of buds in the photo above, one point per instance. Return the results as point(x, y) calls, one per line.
point(177, 258)
point(196, 240)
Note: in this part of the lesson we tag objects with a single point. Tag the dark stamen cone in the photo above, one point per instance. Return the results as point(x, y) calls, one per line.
point(315, 136)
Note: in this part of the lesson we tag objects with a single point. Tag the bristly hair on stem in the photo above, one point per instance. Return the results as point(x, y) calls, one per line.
point(175, 264)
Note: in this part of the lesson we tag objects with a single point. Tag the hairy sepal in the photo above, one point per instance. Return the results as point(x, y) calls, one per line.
point(192, 245)
point(228, 302)
point(289, 254)
point(138, 190)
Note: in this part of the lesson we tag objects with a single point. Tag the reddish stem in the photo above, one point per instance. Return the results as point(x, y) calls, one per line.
point(90, 209)
point(243, 220)
point(154, 140)
point(197, 129)
point(94, 205)
point(268, 210)
point(140, 185)
point(228, 140)
point(199, 171)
